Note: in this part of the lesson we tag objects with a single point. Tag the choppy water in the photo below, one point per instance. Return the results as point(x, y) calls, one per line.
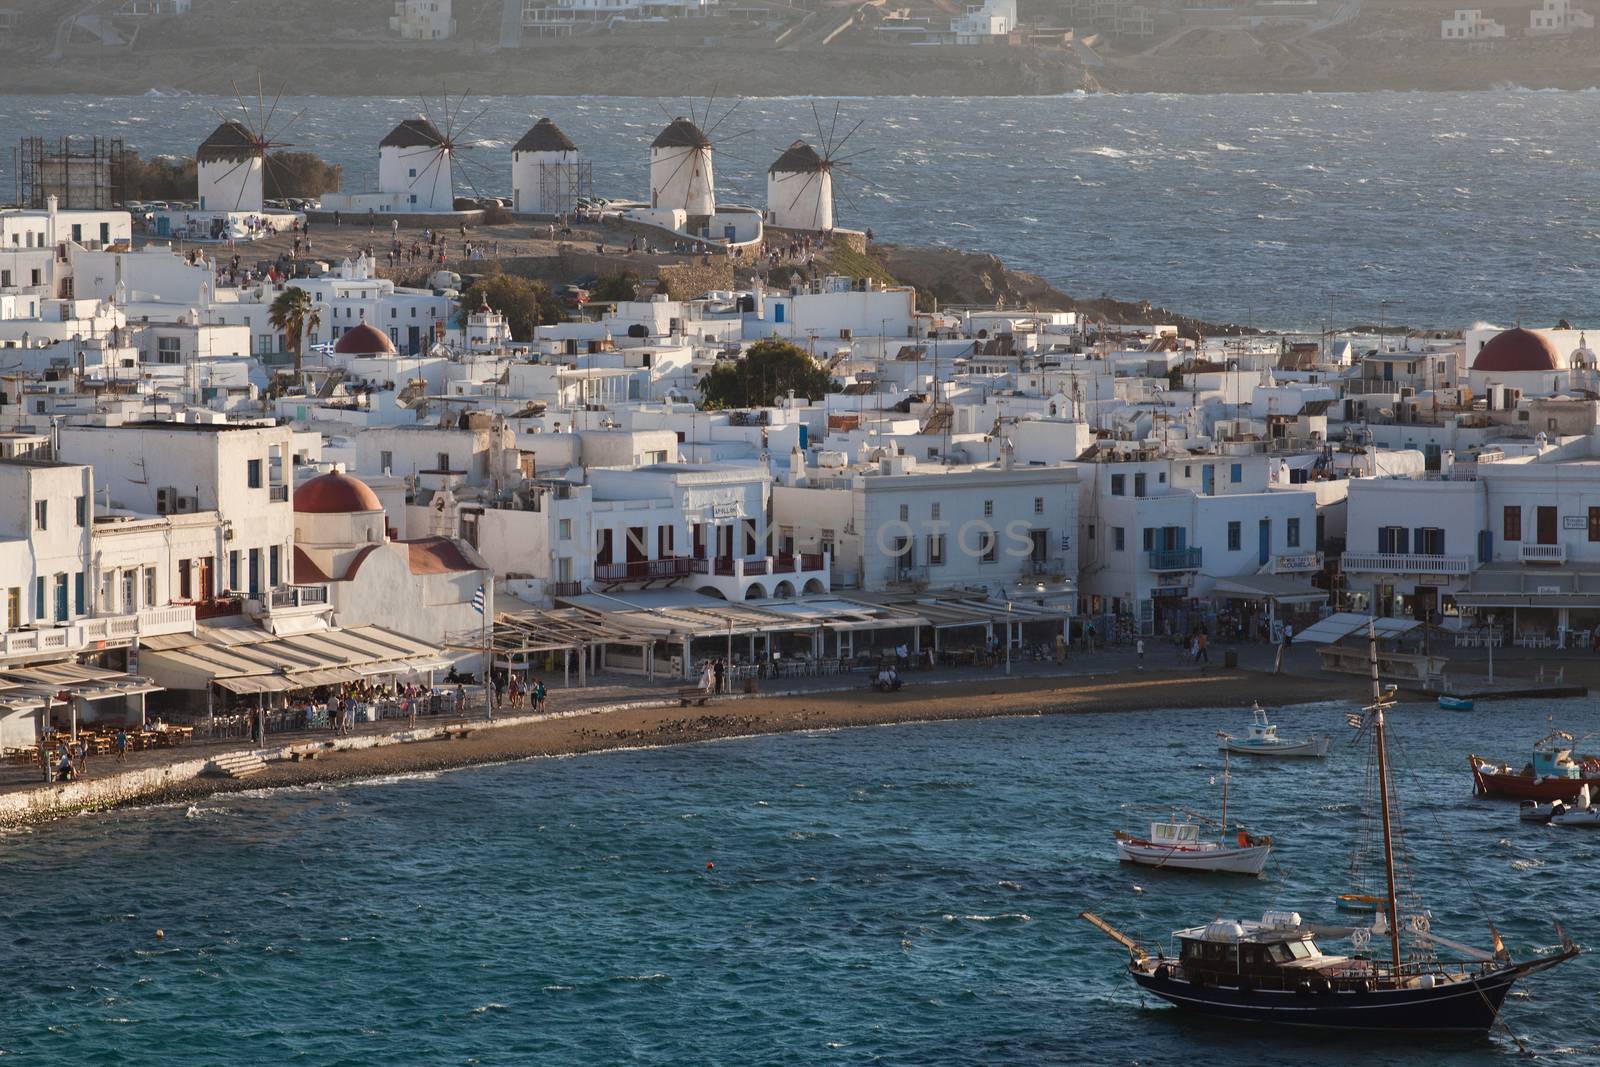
point(901, 895)
point(1288, 211)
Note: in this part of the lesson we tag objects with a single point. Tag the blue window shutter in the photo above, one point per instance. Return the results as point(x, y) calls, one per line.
point(77, 593)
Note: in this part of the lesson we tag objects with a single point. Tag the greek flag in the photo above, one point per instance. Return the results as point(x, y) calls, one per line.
point(477, 600)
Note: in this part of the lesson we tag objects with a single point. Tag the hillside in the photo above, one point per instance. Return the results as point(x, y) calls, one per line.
point(764, 48)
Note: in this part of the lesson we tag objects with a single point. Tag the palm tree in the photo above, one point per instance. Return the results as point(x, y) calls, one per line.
point(293, 315)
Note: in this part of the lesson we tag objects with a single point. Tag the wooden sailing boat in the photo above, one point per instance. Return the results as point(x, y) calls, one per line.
point(1273, 971)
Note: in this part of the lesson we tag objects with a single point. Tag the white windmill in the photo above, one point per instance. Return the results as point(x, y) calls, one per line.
point(681, 177)
point(800, 184)
point(417, 160)
point(231, 164)
point(546, 175)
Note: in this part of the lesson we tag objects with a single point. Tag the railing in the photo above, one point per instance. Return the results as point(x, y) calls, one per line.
point(906, 573)
point(214, 609)
point(298, 596)
point(96, 630)
point(1175, 559)
point(1405, 563)
point(641, 570)
point(1297, 564)
point(1542, 553)
point(565, 588)
point(278, 494)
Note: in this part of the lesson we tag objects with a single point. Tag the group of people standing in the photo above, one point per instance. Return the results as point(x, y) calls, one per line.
point(514, 692)
point(714, 676)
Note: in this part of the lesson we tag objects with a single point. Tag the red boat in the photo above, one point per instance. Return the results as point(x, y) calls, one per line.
point(1554, 774)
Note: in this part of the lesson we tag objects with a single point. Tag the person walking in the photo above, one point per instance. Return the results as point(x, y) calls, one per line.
point(122, 745)
point(720, 669)
point(538, 695)
point(1200, 643)
point(1139, 647)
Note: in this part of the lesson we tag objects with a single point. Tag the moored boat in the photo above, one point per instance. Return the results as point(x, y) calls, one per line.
point(1450, 703)
point(1274, 971)
point(1178, 844)
point(1554, 774)
point(1261, 739)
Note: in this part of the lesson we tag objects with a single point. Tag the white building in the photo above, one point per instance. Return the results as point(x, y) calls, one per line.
point(241, 473)
point(986, 22)
point(544, 171)
point(1163, 536)
point(1469, 24)
point(893, 523)
point(800, 190)
point(1558, 17)
point(423, 20)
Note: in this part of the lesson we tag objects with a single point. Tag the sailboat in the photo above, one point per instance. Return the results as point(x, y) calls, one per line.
point(1182, 842)
point(1273, 971)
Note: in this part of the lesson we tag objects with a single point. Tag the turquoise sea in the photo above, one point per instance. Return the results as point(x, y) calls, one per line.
point(899, 895)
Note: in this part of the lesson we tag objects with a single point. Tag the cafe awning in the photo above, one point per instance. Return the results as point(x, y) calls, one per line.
point(250, 660)
point(1280, 588)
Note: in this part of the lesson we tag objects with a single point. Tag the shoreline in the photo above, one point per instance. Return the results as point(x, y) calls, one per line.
point(651, 724)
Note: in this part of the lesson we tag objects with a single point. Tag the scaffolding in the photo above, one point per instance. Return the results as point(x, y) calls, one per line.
point(83, 174)
point(561, 185)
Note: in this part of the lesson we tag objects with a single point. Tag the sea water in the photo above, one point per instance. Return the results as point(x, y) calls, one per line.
point(1283, 211)
point(895, 895)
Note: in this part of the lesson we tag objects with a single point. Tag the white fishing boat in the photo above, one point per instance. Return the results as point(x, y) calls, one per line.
point(1177, 844)
point(1261, 739)
point(1187, 842)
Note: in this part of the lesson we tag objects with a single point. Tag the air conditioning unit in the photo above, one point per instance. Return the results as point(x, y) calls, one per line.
point(166, 501)
point(185, 505)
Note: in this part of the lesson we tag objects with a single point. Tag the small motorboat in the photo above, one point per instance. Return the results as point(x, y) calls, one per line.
point(1580, 813)
point(1177, 844)
point(1554, 774)
point(1262, 740)
point(1535, 812)
point(1450, 703)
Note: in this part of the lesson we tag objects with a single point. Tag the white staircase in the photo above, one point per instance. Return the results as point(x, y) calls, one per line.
point(236, 765)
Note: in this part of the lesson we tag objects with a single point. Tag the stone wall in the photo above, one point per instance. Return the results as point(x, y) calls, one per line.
point(854, 240)
point(684, 281)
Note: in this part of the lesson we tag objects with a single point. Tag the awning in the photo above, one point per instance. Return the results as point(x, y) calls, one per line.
point(257, 683)
point(1348, 623)
point(1277, 587)
point(1516, 585)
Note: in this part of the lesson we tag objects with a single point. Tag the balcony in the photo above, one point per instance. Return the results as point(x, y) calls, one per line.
point(1175, 559)
point(786, 575)
point(1405, 563)
point(1299, 563)
point(98, 632)
point(278, 494)
point(669, 569)
point(903, 574)
point(1542, 553)
point(564, 588)
point(298, 596)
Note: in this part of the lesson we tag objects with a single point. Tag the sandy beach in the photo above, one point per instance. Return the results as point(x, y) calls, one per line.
point(578, 731)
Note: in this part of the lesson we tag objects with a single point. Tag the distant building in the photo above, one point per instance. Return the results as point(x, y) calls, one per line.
point(994, 19)
point(1469, 24)
point(145, 8)
point(423, 20)
point(1557, 17)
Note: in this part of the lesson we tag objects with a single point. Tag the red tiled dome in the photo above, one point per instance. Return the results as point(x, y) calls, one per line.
point(364, 340)
point(1517, 350)
point(335, 494)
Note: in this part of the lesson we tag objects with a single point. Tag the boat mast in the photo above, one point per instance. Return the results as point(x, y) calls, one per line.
point(1224, 793)
point(1383, 793)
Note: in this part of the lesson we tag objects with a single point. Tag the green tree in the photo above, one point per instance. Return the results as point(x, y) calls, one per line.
point(300, 174)
point(610, 288)
point(293, 315)
point(525, 303)
point(767, 370)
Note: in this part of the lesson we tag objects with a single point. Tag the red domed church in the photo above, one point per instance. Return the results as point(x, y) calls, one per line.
point(423, 588)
